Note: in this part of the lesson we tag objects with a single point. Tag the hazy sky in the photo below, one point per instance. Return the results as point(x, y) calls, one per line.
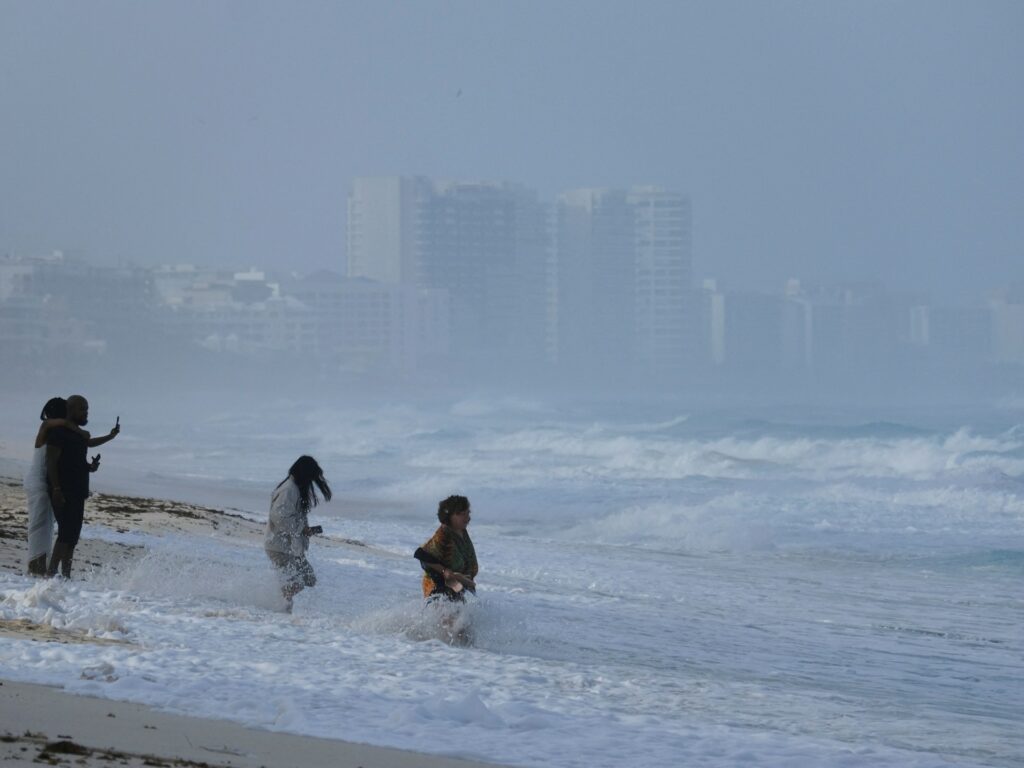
point(818, 139)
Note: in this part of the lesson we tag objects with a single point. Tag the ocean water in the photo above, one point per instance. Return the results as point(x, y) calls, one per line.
point(658, 587)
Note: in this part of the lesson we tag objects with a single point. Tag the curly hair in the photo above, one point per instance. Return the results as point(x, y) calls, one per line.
point(452, 504)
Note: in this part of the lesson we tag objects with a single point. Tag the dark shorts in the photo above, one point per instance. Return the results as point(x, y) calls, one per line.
point(69, 521)
point(295, 569)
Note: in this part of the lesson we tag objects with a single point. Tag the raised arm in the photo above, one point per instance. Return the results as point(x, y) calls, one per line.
point(93, 442)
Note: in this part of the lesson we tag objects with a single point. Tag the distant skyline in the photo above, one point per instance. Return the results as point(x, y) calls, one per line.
point(826, 141)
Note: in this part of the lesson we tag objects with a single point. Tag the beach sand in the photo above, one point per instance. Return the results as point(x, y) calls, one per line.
point(43, 725)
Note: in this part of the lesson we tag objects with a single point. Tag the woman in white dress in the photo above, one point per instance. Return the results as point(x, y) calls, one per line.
point(40, 510)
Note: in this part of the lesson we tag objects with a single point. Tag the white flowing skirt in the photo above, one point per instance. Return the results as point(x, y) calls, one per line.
point(40, 511)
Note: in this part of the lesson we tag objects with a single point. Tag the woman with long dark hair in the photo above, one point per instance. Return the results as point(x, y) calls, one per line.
point(288, 529)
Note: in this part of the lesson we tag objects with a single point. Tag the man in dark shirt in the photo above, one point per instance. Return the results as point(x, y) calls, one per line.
point(68, 476)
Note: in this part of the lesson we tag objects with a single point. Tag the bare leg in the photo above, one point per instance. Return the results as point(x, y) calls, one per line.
point(289, 591)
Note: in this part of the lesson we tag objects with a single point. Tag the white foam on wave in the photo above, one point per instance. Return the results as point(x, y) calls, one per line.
point(600, 656)
point(443, 621)
point(646, 484)
point(557, 454)
point(860, 514)
point(52, 603)
point(725, 523)
point(191, 569)
point(649, 595)
point(948, 501)
point(404, 454)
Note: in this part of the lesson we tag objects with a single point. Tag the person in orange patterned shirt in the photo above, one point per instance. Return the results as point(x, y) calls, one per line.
point(448, 557)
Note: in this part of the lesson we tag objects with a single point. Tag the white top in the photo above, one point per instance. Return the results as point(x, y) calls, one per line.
point(287, 521)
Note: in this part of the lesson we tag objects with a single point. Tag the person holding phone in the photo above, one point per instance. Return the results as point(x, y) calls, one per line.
point(37, 492)
point(67, 475)
point(287, 534)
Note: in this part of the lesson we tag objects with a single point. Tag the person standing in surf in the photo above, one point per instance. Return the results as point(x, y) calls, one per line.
point(448, 558)
point(37, 494)
point(67, 477)
point(288, 530)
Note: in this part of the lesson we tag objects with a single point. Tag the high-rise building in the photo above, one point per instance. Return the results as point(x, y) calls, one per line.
point(662, 265)
point(383, 214)
point(595, 244)
point(603, 285)
point(486, 244)
point(624, 280)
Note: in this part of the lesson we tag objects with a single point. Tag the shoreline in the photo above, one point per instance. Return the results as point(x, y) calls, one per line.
point(43, 724)
point(47, 725)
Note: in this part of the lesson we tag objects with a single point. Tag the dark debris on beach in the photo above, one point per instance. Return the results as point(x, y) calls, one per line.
point(67, 752)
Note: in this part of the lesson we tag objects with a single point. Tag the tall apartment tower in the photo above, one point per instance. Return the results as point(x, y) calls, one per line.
point(623, 281)
point(662, 264)
point(595, 251)
point(486, 244)
point(382, 227)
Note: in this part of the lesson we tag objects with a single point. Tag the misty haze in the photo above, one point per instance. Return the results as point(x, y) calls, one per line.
point(714, 312)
